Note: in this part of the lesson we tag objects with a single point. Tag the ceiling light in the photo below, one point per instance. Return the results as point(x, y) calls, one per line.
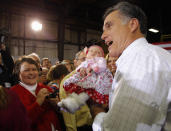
point(36, 26)
point(153, 30)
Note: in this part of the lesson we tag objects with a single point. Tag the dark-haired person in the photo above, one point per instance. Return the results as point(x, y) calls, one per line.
point(56, 74)
point(6, 67)
point(138, 99)
point(13, 115)
point(33, 95)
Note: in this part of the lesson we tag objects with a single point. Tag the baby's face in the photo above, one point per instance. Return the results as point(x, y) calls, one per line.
point(94, 52)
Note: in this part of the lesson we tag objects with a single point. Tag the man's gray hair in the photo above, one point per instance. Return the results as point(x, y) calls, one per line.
point(129, 11)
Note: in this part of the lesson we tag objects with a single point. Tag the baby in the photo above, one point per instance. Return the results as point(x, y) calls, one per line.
point(91, 80)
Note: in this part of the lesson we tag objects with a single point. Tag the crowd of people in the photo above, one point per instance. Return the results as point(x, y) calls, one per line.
point(32, 84)
point(124, 90)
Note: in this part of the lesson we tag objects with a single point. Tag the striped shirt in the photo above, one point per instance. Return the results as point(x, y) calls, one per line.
point(138, 99)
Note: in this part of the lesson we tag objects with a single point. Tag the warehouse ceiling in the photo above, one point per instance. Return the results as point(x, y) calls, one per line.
point(90, 12)
point(158, 14)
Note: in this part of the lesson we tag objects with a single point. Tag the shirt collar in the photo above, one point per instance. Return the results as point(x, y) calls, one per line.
point(131, 47)
point(31, 89)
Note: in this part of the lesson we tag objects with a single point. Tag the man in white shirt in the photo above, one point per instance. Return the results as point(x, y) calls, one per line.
point(138, 98)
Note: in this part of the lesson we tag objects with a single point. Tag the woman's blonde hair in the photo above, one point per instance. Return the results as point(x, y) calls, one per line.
point(107, 57)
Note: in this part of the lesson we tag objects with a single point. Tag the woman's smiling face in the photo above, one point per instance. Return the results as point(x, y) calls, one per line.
point(28, 73)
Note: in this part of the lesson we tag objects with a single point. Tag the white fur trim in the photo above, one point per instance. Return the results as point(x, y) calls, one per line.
point(73, 102)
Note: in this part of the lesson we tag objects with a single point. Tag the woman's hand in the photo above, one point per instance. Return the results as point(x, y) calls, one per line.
point(42, 95)
point(54, 101)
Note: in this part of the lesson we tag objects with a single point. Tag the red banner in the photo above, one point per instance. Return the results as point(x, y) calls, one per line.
point(165, 45)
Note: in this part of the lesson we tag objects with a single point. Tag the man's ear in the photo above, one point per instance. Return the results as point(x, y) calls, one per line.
point(133, 24)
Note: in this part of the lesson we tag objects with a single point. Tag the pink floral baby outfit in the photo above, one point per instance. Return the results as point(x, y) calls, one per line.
point(97, 85)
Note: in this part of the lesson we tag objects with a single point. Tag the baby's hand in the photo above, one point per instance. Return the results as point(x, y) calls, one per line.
point(88, 71)
point(83, 72)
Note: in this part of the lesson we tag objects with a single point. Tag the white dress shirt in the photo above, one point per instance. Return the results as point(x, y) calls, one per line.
point(138, 98)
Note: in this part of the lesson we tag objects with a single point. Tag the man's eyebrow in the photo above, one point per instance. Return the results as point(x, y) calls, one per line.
point(107, 24)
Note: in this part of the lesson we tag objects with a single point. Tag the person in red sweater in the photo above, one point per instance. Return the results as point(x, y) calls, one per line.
point(41, 110)
point(13, 115)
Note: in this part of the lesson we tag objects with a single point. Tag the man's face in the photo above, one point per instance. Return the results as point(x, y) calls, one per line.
point(114, 30)
point(80, 59)
point(43, 75)
point(46, 63)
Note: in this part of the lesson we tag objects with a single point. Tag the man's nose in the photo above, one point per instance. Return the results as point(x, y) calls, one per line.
point(102, 37)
